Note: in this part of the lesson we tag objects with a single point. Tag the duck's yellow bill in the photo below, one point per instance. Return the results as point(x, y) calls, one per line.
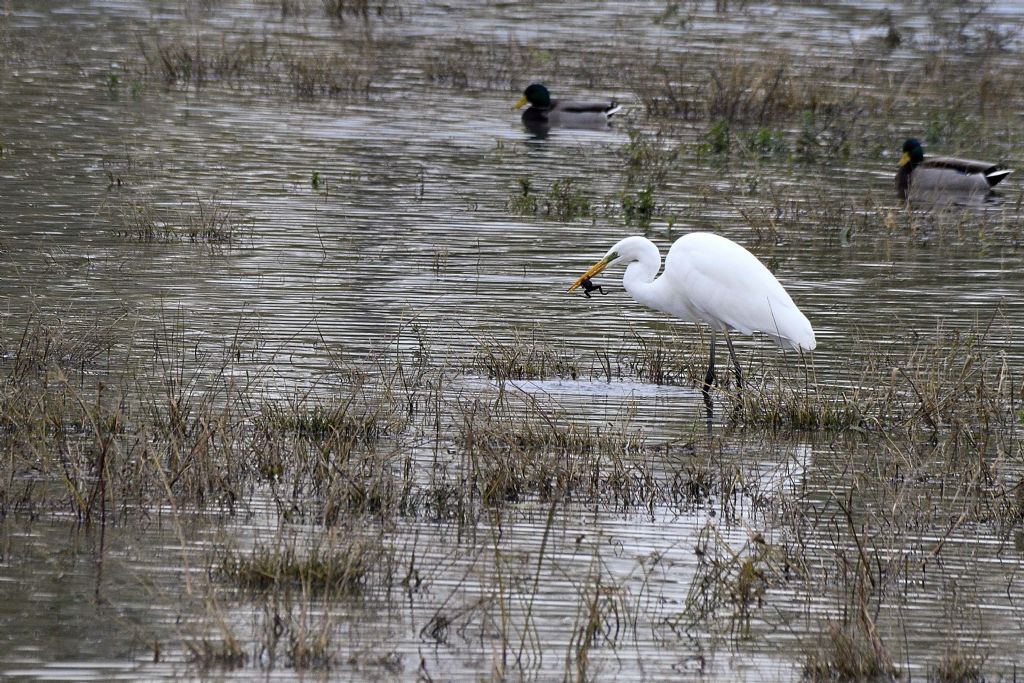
point(591, 272)
point(521, 102)
point(905, 159)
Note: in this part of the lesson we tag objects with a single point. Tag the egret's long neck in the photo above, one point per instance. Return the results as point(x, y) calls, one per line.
point(639, 278)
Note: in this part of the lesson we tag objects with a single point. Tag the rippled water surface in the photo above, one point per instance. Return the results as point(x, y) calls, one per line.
point(375, 228)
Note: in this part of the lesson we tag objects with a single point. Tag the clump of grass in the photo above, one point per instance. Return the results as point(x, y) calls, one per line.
point(490, 65)
point(730, 584)
point(732, 90)
point(524, 201)
point(312, 77)
point(531, 360)
point(826, 132)
point(845, 653)
point(216, 654)
point(210, 222)
point(338, 570)
point(649, 159)
point(949, 382)
point(602, 617)
point(764, 141)
point(526, 451)
point(956, 666)
point(197, 63)
point(639, 208)
point(664, 358)
point(778, 403)
point(744, 92)
point(307, 74)
point(528, 436)
point(717, 139)
point(322, 422)
point(362, 9)
point(665, 91)
point(563, 201)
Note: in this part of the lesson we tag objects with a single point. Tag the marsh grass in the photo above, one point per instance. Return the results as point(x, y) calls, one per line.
point(526, 356)
point(848, 654)
point(197, 62)
point(341, 10)
point(305, 72)
point(958, 666)
point(342, 568)
point(312, 76)
point(322, 422)
point(179, 425)
point(606, 613)
point(211, 222)
point(498, 65)
point(953, 382)
point(783, 103)
point(663, 357)
point(209, 443)
point(517, 449)
point(731, 583)
point(211, 653)
point(563, 201)
point(945, 405)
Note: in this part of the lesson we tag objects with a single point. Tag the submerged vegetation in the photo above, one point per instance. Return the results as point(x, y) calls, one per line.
point(403, 443)
point(212, 222)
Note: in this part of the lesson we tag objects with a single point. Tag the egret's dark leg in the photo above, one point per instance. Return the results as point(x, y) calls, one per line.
point(735, 363)
point(709, 377)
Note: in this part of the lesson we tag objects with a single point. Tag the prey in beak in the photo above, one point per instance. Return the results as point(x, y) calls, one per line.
point(589, 286)
point(584, 279)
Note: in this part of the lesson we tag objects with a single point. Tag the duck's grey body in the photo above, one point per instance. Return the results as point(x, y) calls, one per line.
point(931, 177)
point(545, 111)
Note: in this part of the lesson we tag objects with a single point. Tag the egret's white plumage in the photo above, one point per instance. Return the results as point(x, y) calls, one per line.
point(712, 280)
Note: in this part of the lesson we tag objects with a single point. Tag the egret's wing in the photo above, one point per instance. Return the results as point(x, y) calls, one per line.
point(725, 285)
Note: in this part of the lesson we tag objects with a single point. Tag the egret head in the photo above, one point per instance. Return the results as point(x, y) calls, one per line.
point(626, 250)
point(537, 95)
point(913, 152)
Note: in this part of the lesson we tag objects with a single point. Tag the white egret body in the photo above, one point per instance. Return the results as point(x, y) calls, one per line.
point(712, 280)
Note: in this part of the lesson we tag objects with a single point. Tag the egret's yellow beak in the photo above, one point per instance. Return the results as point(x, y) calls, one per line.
point(593, 270)
point(521, 102)
point(905, 159)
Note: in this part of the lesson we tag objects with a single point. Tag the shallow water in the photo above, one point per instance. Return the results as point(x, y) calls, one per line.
point(407, 243)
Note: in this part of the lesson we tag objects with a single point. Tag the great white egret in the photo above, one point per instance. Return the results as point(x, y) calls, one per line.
point(544, 111)
point(919, 177)
point(712, 280)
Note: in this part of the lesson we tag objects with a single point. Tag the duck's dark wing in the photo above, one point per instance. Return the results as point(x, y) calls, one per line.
point(592, 107)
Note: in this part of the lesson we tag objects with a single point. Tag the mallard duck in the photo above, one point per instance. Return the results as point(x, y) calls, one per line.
point(944, 175)
point(544, 111)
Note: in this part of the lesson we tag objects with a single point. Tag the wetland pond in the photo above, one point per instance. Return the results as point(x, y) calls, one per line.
point(292, 386)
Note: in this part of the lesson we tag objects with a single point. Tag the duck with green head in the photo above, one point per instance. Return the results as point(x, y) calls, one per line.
point(545, 111)
point(919, 177)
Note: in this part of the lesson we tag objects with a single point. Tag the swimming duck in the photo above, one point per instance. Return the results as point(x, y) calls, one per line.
point(544, 111)
point(944, 175)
